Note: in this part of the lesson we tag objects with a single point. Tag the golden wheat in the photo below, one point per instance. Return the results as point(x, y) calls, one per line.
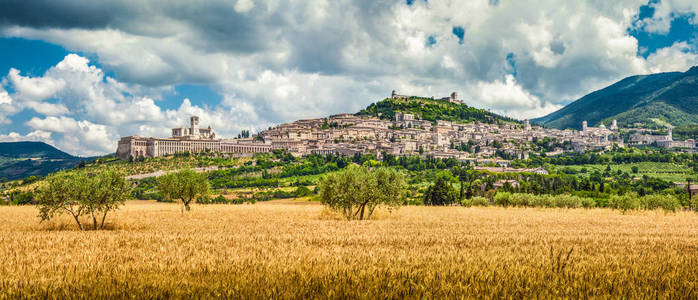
point(299, 250)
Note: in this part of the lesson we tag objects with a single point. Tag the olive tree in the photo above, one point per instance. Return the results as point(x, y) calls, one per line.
point(79, 193)
point(358, 191)
point(185, 186)
point(109, 190)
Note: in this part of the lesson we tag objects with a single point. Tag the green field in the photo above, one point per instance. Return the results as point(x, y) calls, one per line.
point(666, 171)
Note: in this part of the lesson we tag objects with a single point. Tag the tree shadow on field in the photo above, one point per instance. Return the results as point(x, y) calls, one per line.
point(328, 214)
point(68, 226)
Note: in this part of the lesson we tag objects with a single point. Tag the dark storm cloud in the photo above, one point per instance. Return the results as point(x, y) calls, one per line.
point(216, 25)
point(64, 13)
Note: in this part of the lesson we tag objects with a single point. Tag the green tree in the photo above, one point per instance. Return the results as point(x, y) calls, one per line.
point(79, 193)
point(61, 193)
point(440, 193)
point(109, 190)
point(358, 191)
point(185, 186)
point(689, 181)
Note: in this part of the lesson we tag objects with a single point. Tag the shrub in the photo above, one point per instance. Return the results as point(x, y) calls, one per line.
point(624, 202)
point(543, 201)
point(204, 199)
point(502, 199)
point(665, 202)
point(480, 201)
point(22, 198)
point(466, 203)
point(670, 203)
point(220, 200)
point(522, 199)
point(650, 202)
point(588, 203)
point(302, 191)
point(568, 201)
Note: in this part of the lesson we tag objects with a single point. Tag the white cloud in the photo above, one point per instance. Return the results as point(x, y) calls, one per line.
point(33, 89)
point(37, 135)
point(45, 108)
point(665, 12)
point(5, 97)
point(82, 137)
point(243, 6)
point(510, 98)
point(679, 57)
point(7, 106)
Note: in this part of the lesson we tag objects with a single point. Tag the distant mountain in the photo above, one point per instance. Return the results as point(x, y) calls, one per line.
point(23, 159)
point(431, 110)
point(31, 150)
point(653, 100)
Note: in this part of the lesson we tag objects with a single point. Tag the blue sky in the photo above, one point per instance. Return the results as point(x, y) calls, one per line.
point(81, 74)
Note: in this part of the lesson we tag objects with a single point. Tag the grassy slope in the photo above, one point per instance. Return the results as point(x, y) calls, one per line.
point(635, 101)
point(432, 110)
point(666, 171)
point(301, 251)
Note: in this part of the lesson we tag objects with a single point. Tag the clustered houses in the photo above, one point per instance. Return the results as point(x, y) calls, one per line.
point(644, 137)
point(406, 134)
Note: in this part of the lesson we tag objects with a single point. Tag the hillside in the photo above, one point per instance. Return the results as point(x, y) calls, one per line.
point(432, 110)
point(637, 101)
point(23, 159)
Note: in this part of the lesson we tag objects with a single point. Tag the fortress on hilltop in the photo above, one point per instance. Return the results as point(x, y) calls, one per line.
point(453, 98)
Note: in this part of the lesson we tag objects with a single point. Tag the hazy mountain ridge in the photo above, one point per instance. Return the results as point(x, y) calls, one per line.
point(23, 159)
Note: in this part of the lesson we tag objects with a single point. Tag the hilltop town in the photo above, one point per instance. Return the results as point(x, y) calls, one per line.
point(403, 134)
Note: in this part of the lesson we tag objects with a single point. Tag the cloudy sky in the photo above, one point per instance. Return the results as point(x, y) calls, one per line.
point(80, 74)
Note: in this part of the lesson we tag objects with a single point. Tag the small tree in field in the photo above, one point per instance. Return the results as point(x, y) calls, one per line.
point(185, 186)
point(63, 193)
point(109, 190)
point(79, 193)
point(358, 191)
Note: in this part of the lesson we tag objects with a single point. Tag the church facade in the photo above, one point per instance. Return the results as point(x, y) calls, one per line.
point(190, 139)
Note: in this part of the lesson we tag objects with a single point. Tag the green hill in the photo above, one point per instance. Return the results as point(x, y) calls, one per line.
point(431, 110)
point(23, 159)
point(637, 101)
point(31, 150)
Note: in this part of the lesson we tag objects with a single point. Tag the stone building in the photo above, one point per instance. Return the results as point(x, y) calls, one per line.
point(190, 139)
point(453, 98)
point(193, 131)
point(664, 141)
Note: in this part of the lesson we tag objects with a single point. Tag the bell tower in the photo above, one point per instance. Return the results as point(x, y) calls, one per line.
point(194, 130)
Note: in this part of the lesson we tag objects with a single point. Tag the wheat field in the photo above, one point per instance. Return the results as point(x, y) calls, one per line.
point(296, 249)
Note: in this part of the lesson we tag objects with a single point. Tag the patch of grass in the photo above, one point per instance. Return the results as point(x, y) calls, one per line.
point(665, 171)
